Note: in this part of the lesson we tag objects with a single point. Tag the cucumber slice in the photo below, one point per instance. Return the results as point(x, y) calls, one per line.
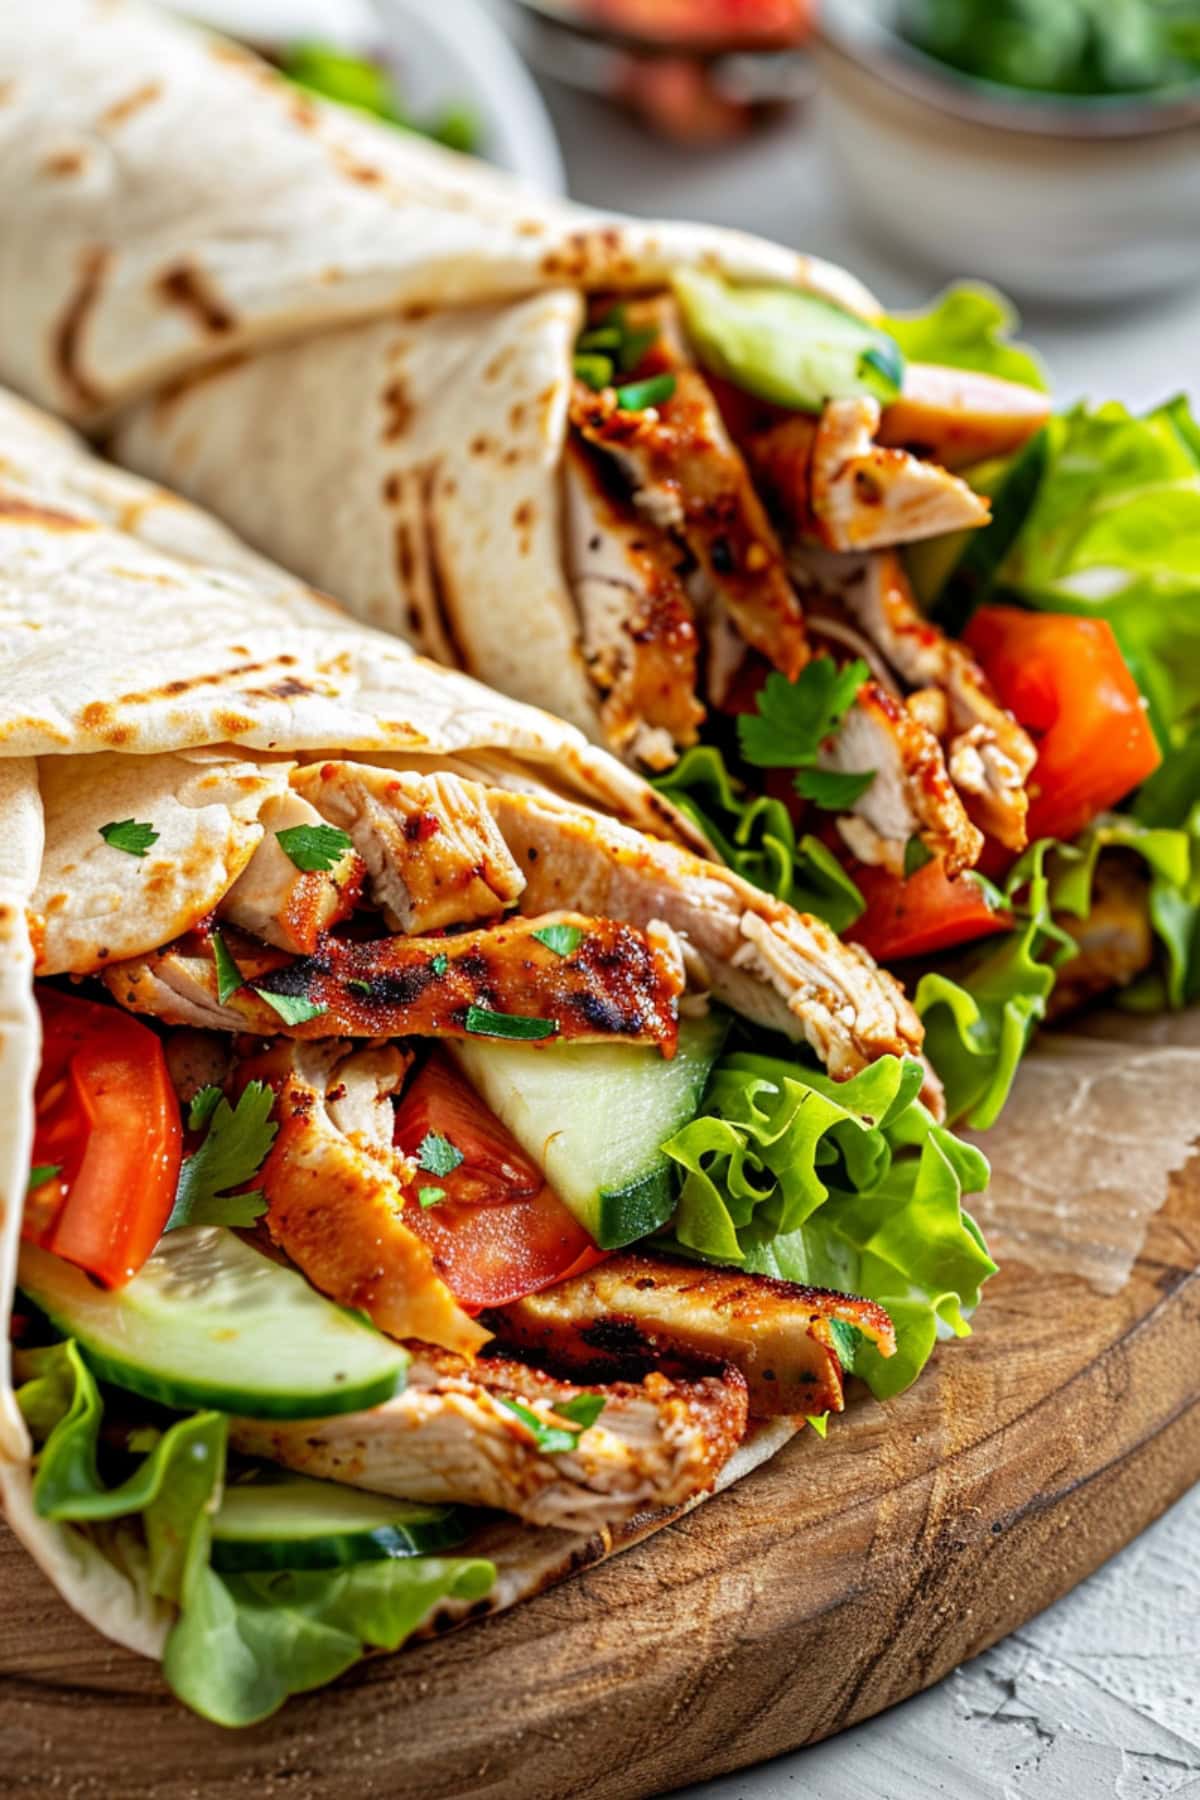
point(278, 1520)
point(595, 1116)
point(787, 347)
point(211, 1322)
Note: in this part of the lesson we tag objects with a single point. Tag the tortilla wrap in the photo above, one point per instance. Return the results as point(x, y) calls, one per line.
point(203, 656)
point(174, 209)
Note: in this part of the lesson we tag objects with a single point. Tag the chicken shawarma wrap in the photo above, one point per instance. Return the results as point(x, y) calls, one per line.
point(423, 1173)
point(911, 653)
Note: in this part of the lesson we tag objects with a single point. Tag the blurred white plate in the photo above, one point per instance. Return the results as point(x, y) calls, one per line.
point(444, 53)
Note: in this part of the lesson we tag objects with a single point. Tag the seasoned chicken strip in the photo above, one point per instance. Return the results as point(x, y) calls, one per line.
point(911, 795)
point(689, 477)
point(988, 754)
point(636, 623)
point(335, 1201)
point(781, 969)
point(616, 982)
point(450, 1437)
point(957, 417)
point(637, 1309)
point(281, 903)
point(432, 855)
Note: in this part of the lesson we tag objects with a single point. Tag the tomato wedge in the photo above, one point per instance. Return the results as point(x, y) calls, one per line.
point(921, 913)
point(108, 1126)
point(1068, 684)
point(499, 1231)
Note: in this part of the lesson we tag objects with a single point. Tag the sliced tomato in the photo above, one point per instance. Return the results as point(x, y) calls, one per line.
point(921, 913)
point(1068, 684)
point(500, 1230)
point(107, 1124)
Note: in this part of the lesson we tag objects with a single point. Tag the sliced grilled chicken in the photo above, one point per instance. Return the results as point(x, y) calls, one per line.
point(957, 417)
point(617, 982)
point(432, 855)
point(636, 623)
point(1116, 940)
point(637, 1309)
point(335, 1199)
point(988, 754)
point(911, 795)
point(281, 903)
point(781, 969)
point(689, 477)
point(450, 1436)
point(830, 480)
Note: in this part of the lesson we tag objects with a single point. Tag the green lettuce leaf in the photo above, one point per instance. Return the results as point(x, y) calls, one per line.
point(241, 1643)
point(969, 326)
point(755, 836)
point(849, 1185)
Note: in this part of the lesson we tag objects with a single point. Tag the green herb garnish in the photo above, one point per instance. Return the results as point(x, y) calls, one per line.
point(314, 848)
point(231, 1154)
point(636, 396)
point(916, 855)
point(482, 1022)
point(594, 371)
point(41, 1173)
point(835, 790)
point(229, 976)
point(564, 940)
point(554, 1440)
point(204, 1104)
point(793, 718)
point(293, 1009)
point(440, 963)
point(437, 1155)
point(430, 1196)
point(133, 836)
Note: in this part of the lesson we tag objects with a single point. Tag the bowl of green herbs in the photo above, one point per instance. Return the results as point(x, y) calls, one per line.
point(1050, 145)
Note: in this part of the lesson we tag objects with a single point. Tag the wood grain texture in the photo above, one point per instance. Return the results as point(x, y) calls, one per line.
point(834, 1582)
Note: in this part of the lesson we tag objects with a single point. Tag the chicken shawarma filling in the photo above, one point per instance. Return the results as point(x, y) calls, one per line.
point(452, 1146)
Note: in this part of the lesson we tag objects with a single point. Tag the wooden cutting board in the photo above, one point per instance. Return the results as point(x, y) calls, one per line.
point(834, 1582)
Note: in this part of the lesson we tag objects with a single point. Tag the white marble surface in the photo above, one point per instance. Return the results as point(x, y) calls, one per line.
point(1100, 1696)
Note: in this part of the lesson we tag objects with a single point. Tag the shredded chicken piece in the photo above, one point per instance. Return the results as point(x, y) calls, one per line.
point(781, 969)
point(335, 1200)
point(450, 1437)
point(988, 754)
point(1116, 940)
point(640, 1309)
point(911, 794)
point(689, 477)
point(432, 855)
point(281, 903)
point(617, 982)
point(637, 628)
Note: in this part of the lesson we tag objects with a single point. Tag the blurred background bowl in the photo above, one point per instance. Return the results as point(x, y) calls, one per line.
point(1078, 199)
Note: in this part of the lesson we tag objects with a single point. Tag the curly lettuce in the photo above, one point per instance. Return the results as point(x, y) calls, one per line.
point(240, 1643)
point(849, 1185)
point(969, 326)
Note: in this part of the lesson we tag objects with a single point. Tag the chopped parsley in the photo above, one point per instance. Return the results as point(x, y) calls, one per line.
point(133, 836)
point(635, 396)
point(553, 1440)
point(440, 963)
point(564, 940)
point(482, 1022)
point(41, 1173)
point(793, 719)
point(437, 1155)
point(229, 976)
point(204, 1104)
point(293, 1009)
point(430, 1196)
point(916, 855)
point(314, 848)
point(232, 1152)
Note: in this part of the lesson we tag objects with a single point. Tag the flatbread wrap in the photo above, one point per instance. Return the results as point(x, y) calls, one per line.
point(904, 646)
point(423, 1173)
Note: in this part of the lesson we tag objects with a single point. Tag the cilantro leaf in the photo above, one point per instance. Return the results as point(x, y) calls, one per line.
point(916, 855)
point(834, 789)
point(233, 1151)
point(562, 939)
point(229, 976)
point(437, 1155)
point(131, 835)
point(482, 1022)
point(440, 964)
point(204, 1104)
point(293, 1009)
point(794, 718)
point(41, 1173)
point(554, 1440)
point(314, 848)
point(430, 1196)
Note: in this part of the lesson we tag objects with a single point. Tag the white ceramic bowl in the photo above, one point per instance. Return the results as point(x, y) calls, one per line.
point(1078, 201)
